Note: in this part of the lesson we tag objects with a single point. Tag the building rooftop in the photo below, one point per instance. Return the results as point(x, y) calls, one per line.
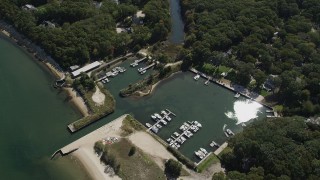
point(86, 68)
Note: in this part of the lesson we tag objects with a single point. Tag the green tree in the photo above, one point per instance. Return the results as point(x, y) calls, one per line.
point(173, 168)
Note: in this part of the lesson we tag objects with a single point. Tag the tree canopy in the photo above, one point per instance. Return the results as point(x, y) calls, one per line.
point(84, 31)
point(256, 39)
point(283, 148)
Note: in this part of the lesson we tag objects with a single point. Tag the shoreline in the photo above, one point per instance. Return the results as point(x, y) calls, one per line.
point(45, 61)
point(82, 148)
point(153, 87)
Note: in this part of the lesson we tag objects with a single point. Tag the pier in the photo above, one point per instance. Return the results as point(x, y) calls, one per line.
point(136, 62)
point(146, 68)
point(162, 119)
point(244, 92)
point(183, 133)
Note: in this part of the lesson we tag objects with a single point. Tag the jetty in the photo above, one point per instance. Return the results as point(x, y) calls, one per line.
point(108, 130)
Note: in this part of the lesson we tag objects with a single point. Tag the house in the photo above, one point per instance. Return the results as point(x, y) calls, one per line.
point(49, 24)
point(269, 85)
point(138, 17)
point(86, 68)
point(97, 4)
point(29, 7)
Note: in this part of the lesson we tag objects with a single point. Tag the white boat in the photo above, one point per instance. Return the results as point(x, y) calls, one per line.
point(142, 72)
point(204, 151)
point(212, 144)
point(107, 80)
point(196, 77)
point(153, 117)
point(103, 81)
point(243, 125)
point(207, 83)
point(155, 129)
point(168, 118)
point(176, 134)
point(148, 125)
point(237, 95)
point(197, 124)
point(164, 122)
point(158, 126)
point(230, 132)
point(158, 115)
point(169, 140)
point(134, 64)
point(163, 112)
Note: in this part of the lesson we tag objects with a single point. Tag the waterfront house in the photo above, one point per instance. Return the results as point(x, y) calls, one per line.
point(138, 17)
point(29, 7)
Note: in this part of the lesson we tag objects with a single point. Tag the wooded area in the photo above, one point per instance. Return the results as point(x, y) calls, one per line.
point(256, 39)
point(84, 31)
point(287, 148)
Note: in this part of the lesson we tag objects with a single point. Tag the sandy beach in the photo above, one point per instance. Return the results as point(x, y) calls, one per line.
point(78, 101)
point(84, 148)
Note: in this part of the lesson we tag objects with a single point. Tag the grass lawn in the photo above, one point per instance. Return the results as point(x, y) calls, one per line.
point(223, 69)
point(212, 159)
point(226, 150)
point(264, 93)
point(138, 166)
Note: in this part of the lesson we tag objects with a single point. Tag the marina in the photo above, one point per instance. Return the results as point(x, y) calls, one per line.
point(178, 93)
point(164, 119)
point(186, 129)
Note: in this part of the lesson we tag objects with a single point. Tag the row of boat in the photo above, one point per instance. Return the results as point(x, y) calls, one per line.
point(201, 153)
point(178, 139)
point(164, 119)
point(115, 71)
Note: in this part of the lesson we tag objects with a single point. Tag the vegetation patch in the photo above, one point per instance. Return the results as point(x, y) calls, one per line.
point(129, 125)
point(137, 165)
point(184, 160)
point(277, 148)
point(146, 83)
point(86, 88)
point(212, 159)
